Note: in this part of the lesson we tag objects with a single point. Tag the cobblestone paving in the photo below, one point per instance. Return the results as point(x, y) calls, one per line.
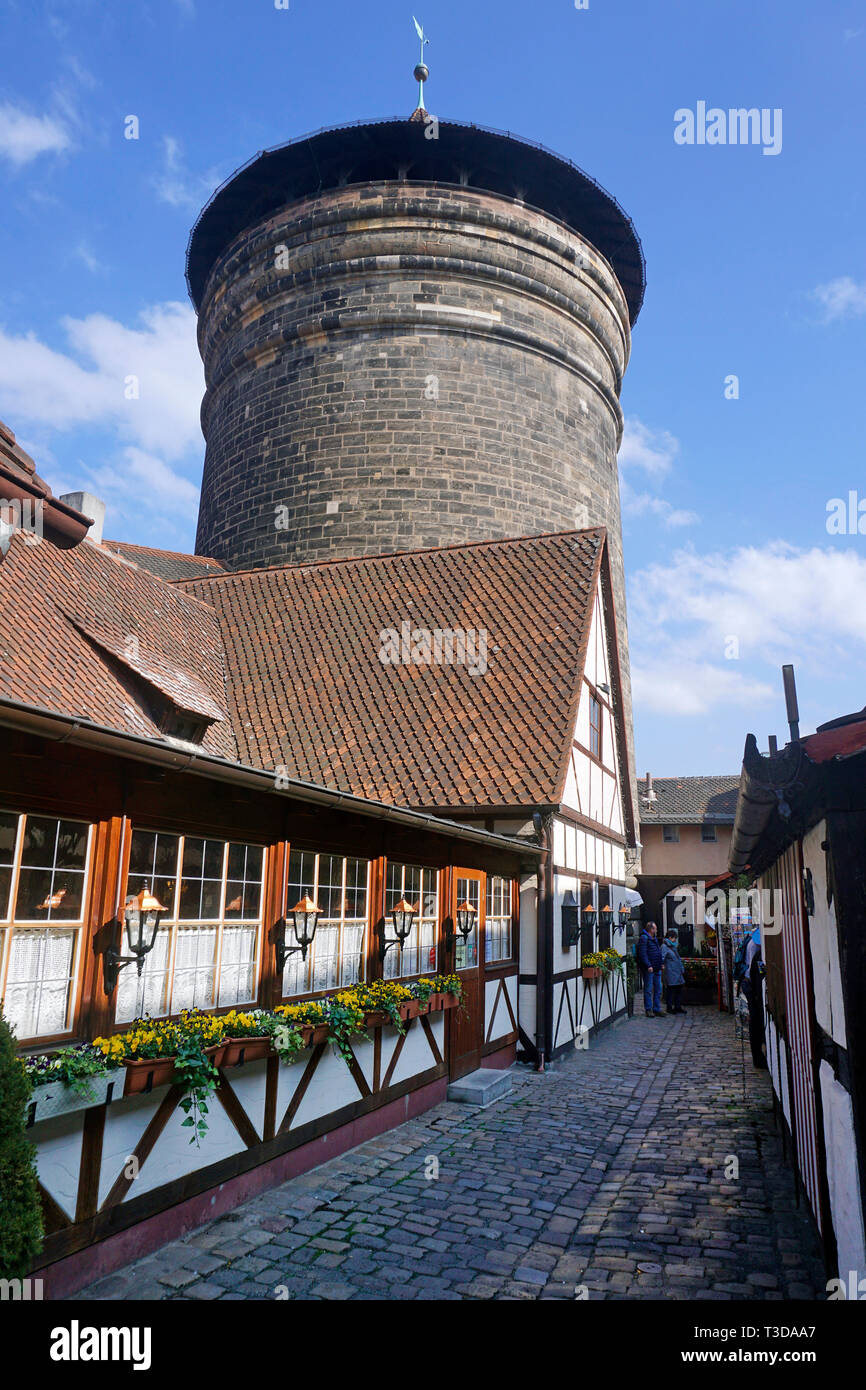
point(604, 1174)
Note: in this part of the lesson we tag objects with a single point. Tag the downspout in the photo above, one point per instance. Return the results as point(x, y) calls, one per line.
point(544, 947)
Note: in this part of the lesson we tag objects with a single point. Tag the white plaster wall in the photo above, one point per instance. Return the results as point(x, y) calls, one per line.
point(58, 1157)
point(249, 1084)
point(493, 999)
point(824, 941)
point(125, 1123)
point(842, 1175)
point(528, 925)
point(173, 1155)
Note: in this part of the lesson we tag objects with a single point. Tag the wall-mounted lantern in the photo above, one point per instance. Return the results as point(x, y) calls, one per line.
point(402, 920)
point(304, 918)
point(588, 916)
point(809, 892)
point(624, 915)
point(570, 921)
point(467, 916)
point(142, 916)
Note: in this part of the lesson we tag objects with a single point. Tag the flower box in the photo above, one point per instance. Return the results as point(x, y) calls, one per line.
point(238, 1051)
point(378, 1019)
point(412, 1008)
point(145, 1073)
point(441, 1001)
point(591, 972)
point(59, 1099)
point(313, 1034)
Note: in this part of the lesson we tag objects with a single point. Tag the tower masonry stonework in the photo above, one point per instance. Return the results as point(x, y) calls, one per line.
point(411, 342)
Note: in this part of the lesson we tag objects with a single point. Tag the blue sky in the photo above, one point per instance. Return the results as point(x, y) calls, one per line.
point(755, 267)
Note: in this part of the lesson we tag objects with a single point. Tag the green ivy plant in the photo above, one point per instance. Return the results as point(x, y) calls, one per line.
point(287, 1041)
point(198, 1076)
point(346, 1020)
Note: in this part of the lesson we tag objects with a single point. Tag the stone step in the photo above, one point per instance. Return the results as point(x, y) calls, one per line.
point(481, 1087)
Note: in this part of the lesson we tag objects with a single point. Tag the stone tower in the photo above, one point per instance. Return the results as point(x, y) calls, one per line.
point(414, 334)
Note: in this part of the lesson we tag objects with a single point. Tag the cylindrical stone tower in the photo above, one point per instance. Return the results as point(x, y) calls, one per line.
point(414, 334)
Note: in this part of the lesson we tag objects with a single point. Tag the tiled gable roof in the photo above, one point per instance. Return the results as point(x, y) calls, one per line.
point(165, 564)
point(83, 633)
point(688, 799)
point(308, 690)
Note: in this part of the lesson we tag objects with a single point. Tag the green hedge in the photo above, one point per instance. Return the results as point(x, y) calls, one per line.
point(20, 1209)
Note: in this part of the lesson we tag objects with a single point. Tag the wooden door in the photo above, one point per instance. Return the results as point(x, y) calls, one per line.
point(466, 1025)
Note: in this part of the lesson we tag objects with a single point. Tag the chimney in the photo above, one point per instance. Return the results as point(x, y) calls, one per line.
point(649, 794)
point(791, 708)
point(88, 505)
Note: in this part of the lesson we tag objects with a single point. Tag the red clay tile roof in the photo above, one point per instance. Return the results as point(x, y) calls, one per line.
point(684, 800)
point(308, 690)
point(286, 664)
point(74, 622)
point(165, 564)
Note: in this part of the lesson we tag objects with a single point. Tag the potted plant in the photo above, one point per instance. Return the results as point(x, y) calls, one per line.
point(185, 1052)
point(248, 1036)
point(591, 965)
point(289, 1041)
point(309, 1017)
point(73, 1078)
point(381, 1001)
point(447, 992)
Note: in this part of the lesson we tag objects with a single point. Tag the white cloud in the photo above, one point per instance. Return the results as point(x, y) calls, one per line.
point(778, 603)
point(23, 137)
point(652, 450)
point(683, 686)
point(86, 386)
point(136, 452)
point(643, 503)
point(87, 258)
point(842, 298)
point(179, 188)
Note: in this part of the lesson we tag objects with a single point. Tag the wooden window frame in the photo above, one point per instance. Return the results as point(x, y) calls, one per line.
point(369, 934)
point(425, 869)
point(493, 963)
point(173, 922)
point(78, 925)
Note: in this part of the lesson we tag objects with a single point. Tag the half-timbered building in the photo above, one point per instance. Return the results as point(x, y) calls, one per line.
point(799, 831)
point(444, 726)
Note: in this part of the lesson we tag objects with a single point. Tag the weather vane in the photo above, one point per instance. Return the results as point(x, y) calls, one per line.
point(422, 72)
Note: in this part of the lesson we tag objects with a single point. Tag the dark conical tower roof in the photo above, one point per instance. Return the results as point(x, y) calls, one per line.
point(468, 156)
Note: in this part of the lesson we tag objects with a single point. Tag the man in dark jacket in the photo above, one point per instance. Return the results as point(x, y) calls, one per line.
point(649, 954)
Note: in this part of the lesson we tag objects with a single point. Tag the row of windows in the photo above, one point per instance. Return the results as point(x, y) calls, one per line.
point(671, 834)
point(208, 947)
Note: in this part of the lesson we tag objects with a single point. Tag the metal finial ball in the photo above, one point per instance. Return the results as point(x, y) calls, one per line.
point(422, 72)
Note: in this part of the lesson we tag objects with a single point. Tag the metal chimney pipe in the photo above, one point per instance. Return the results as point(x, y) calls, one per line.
point(791, 707)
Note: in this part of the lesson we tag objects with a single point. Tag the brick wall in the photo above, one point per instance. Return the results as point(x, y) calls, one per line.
point(391, 366)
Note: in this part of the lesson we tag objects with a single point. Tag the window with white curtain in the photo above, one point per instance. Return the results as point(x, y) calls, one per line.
point(207, 947)
point(497, 919)
point(43, 894)
point(419, 888)
point(340, 888)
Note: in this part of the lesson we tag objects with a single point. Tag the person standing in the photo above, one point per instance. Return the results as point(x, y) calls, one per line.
point(649, 954)
point(674, 973)
point(755, 996)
